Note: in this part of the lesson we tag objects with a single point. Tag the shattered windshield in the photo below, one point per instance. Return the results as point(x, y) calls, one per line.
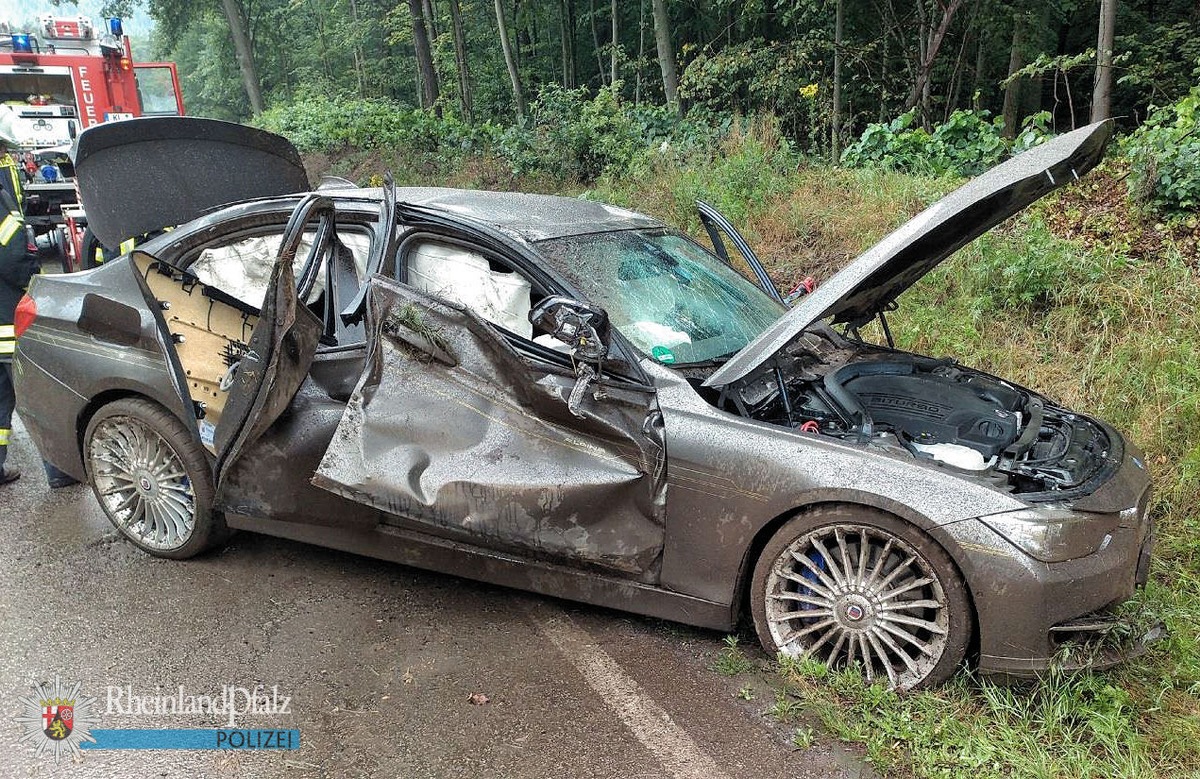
point(668, 296)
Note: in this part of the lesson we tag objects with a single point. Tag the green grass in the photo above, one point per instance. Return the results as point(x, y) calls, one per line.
point(731, 661)
point(1060, 728)
point(1072, 313)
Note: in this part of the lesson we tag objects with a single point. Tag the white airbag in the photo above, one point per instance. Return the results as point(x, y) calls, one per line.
point(465, 277)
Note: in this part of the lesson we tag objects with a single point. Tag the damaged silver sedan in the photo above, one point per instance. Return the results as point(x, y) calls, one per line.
point(577, 400)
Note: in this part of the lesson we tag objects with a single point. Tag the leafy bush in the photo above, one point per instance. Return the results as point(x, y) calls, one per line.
point(572, 136)
point(753, 164)
point(1029, 268)
point(967, 144)
point(1164, 155)
point(756, 76)
point(320, 123)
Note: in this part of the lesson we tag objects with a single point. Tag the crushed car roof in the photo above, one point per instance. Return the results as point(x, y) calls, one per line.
point(531, 217)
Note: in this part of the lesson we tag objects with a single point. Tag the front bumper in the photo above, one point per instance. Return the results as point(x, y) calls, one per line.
point(1030, 615)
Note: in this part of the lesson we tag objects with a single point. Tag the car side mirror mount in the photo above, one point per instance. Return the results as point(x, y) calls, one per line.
point(582, 327)
point(579, 325)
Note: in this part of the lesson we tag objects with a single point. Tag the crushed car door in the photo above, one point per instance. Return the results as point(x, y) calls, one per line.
point(281, 346)
point(715, 224)
point(453, 431)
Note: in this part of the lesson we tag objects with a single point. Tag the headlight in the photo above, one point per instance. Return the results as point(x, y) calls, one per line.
point(1053, 535)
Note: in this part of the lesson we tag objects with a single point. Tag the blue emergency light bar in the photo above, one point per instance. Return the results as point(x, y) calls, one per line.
point(22, 43)
point(114, 27)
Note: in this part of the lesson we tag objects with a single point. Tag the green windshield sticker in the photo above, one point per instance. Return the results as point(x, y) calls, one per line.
point(663, 354)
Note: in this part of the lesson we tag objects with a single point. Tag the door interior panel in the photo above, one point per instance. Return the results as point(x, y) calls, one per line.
point(210, 330)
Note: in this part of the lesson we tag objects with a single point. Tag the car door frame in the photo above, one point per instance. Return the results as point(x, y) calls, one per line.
point(276, 363)
point(191, 412)
point(716, 223)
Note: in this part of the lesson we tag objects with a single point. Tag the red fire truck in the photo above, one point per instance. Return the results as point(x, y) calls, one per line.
point(57, 80)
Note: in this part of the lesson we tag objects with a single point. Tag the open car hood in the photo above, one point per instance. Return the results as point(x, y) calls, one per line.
point(140, 175)
point(872, 282)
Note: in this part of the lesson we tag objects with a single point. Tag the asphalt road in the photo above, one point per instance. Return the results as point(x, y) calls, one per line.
point(380, 662)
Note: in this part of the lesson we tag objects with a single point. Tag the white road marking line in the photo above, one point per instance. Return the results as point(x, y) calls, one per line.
point(679, 754)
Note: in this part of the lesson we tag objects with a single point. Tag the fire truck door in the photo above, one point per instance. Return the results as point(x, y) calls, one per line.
point(158, 89)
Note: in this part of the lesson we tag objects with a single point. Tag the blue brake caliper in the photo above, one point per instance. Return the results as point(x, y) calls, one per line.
point(810, 575)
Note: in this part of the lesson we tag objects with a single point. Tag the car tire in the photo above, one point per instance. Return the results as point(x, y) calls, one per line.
point(152, 479)
point(848, 585)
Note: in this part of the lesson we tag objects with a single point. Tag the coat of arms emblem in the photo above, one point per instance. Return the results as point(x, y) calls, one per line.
point(56, 718)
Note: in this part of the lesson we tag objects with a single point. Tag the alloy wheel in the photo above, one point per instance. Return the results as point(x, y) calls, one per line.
point(850, 594)
point(143, 483)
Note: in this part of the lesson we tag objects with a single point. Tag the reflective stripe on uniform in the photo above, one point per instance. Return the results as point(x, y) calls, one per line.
point(127, 246)
point(7, 346)
point(99, 256)
point(4, 433)
point(13, 175)
point(9, 228)
point(8, 339)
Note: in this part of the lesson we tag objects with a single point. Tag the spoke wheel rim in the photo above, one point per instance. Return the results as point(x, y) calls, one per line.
point(142, 483)
point(852, 594)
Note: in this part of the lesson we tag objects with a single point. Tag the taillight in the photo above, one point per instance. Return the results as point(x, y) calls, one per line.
point(24, 315)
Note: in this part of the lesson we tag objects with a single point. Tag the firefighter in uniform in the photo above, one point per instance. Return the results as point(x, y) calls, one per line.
point(16, 268)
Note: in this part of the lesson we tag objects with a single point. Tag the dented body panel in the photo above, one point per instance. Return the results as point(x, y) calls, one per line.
point(451, 428)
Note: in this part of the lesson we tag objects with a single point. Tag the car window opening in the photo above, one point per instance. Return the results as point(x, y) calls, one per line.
point(498, 293)
point(672, 299)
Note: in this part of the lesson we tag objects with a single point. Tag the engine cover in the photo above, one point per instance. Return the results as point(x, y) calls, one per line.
point(947, 405)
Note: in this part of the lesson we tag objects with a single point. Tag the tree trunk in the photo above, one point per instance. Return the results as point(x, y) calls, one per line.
point(460, 60)
point(1102, 90)
point(1032, 93)
point(835, 135)
point(430, 14)
point(641, 55)
point(1012, 92)
point(954, 90)
point(920, 88)
point(666, 54)
point(612, 79)
point(358, 51)
point(245, 54)
point(571, 25)
point(596, 41)
point(323, 43)
point(514, 74)
point(977, 76)
point(566, 35)
point(429, 80)
point(522, 40)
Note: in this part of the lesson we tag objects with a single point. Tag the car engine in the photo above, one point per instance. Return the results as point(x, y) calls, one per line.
point(934, 409)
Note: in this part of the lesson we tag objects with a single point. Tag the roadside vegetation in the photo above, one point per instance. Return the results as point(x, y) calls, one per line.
point(1092, 296)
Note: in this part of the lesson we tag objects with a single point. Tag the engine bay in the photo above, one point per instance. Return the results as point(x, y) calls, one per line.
point(933, 409)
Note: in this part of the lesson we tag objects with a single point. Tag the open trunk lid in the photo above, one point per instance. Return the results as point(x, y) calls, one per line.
point(140, 175)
